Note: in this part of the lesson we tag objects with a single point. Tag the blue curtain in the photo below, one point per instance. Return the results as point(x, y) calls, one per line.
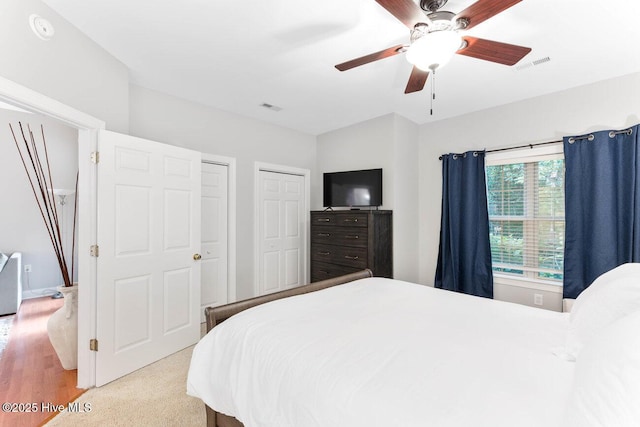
point(602, 205)
point(464, 259)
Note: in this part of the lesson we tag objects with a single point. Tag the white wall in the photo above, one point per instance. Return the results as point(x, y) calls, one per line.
point(21, 225)
point(178, 122)
point(366, 145)
point(70, 67)
point(610, 104)
point(406, 200)
point(388, 142)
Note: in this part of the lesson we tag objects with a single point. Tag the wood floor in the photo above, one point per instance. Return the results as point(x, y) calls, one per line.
point(30, 372)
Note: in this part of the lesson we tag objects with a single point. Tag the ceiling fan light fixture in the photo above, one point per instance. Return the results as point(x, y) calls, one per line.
point(434, 49)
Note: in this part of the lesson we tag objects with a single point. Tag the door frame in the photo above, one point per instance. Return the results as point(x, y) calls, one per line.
point(88, 127)
point(289, 170)
point(230, 163)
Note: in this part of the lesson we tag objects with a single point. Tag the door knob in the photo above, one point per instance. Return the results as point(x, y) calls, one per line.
point(197, 257)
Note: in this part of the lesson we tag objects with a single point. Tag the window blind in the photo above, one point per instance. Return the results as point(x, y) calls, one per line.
point(526, 217)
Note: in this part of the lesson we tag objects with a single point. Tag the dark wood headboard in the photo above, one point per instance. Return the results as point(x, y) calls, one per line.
point(215, 315)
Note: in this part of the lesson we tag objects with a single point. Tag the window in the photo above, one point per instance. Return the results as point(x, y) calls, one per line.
point(526, 216)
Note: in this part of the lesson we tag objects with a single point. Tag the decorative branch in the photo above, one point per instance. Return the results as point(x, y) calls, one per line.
point(38, 172)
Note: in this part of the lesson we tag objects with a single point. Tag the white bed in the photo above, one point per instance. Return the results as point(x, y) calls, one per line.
point(390, 353)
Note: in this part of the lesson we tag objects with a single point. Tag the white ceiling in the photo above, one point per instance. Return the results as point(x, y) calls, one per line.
point(237, 55)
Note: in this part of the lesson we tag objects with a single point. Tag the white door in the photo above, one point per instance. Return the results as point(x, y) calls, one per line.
point(281, 225)
point(148, 292)
point(214, 264)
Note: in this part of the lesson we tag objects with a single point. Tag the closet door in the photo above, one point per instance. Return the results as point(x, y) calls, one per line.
point(281, 225)
point(214, 264)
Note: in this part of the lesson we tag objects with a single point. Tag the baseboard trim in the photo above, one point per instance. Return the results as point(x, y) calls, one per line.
point(38, 293)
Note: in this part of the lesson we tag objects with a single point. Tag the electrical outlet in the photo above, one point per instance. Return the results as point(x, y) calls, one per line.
point(537, 299)
point(27, 268)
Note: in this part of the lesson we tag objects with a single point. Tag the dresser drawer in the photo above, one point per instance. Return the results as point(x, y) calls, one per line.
point(323, 270)
point(347, 256)
point(339, 219)
point(342, 236)
point(345, 241)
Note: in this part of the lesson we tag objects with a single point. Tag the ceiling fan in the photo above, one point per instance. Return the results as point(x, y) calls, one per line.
point(435, 37)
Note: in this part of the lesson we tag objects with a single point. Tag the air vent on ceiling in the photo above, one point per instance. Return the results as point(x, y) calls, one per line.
point(270, 107)
point(538, 61)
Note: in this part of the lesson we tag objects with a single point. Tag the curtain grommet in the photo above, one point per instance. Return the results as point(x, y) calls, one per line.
point(455, 157)
point(591, 137)
point(475, 154)
point(613, 133)
point(571, 140)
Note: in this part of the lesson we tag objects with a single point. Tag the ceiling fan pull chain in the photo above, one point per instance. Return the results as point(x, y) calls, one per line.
point(433, 90)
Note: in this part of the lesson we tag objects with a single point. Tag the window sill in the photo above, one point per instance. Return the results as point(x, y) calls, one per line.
point(540, 285)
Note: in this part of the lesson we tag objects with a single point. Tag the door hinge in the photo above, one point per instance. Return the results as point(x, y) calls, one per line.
point(95, 157)
point(94, 251)
point(93, 344)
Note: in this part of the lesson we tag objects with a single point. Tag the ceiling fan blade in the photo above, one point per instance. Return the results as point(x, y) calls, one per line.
point(489, 50)
point(417, 80)
point(406, 11)
point(482, 10)
point(371, 58)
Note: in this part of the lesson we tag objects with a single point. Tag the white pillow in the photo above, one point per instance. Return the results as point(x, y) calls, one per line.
point(611, 296)
point(606, 388)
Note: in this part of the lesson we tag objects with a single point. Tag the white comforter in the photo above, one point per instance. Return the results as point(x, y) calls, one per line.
point(381, 352)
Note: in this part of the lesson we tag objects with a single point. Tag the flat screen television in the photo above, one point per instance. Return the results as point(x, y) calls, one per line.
point(361, 188)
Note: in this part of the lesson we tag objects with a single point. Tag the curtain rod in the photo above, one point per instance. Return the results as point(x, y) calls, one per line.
point(519, 146)
point(524, 146)
point(590, 137)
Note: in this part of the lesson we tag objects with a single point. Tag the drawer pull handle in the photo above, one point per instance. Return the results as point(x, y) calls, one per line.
point(323, 220)
point(351, 257)
point(351, 220)
point(324, 234)
point(324, 253)
point(351, 237)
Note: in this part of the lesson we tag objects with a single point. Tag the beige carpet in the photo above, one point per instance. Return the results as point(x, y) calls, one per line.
point(152, 396)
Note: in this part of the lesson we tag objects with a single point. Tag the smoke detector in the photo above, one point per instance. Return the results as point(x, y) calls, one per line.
point(41, 27)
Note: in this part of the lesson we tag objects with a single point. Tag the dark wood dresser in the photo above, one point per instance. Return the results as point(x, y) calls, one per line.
point(344, 242)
